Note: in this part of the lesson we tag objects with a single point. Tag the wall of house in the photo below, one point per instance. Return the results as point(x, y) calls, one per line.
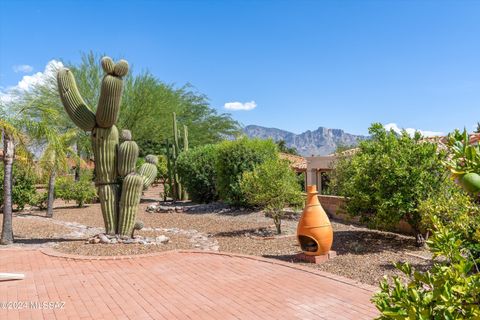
point(334, 207)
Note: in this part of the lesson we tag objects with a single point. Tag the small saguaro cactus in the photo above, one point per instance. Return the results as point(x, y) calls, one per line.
point(119, 186)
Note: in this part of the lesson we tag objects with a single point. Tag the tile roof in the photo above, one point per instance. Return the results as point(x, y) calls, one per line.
point(298, 163)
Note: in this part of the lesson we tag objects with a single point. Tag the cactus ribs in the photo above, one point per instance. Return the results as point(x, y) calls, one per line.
point(119, 185)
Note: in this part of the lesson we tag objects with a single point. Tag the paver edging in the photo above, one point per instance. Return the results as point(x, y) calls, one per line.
point(57, 254)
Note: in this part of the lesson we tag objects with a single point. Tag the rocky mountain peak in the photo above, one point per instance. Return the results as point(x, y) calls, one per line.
point(319, 142)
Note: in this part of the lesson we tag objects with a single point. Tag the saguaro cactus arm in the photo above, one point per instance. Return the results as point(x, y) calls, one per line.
point(131, 193)
point(127, 154)
point(148, 170)
point(110, 92)
point(76, 108)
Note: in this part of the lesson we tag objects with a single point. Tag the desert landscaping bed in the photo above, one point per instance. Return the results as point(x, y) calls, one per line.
point(362, 254)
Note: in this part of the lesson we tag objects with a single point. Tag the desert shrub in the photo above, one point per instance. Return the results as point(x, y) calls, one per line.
point(272, 185)
point(233, 159)
point(23, 185)
point(196, 169)
point(388, 177)
point(162, 171)
point(40, 200)
point(82, 192)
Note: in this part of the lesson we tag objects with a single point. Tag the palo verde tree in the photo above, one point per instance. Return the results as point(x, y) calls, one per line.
point(147, 106)
point(119, 186)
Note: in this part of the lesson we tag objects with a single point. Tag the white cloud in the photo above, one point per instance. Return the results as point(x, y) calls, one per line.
point(27, 82)
point(411, 131)
point(240, 106)
point(23, 68)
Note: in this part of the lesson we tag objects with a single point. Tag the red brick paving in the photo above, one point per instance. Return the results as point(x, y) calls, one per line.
point(177, 285)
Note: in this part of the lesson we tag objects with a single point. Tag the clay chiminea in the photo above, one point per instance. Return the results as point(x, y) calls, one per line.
point(314, 231)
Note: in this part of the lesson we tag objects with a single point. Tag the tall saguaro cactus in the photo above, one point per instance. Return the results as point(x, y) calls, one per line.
point(178, 193)
point(119, 186)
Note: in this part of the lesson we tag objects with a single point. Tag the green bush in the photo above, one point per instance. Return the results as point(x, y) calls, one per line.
point(23, 189)
point(453, 207)
point(272, 185)
point(196, 169)
point(40, 200)
point(451, 288)
point(387, 179)
point(236, 157)
point(82, 192)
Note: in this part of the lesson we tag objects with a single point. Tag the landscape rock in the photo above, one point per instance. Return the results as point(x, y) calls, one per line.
point(192, 208)
point(103, 238)
point(162, 239)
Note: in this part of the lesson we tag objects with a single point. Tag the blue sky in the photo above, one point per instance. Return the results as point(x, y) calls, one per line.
point(304, 64)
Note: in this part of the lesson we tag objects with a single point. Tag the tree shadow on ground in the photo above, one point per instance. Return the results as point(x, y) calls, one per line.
point(370, 241)
point(72, 207)
point(284, 257)
point(233, 212)
point(258, 232)
point(148, 200)
point(45, 240)
point(361, 242)
point(420, 266)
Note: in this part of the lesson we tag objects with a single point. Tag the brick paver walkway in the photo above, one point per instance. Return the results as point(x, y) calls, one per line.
point(176, 285)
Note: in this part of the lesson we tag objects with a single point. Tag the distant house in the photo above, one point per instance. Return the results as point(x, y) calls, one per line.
point(297, 163)
point(72, 164)
point(317, 168)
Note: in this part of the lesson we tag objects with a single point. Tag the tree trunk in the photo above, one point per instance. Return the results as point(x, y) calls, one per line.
point(278, 223)
point(77, 166)
point(51, 193)
point(8, 156)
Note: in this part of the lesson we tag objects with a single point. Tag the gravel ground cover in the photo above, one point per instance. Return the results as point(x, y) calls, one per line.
point(362, 254)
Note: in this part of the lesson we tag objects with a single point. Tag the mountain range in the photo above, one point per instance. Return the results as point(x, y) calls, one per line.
point(319, 142)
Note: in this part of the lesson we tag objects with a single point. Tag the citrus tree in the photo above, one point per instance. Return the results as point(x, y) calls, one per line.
point(450, 289)
point(388, 177)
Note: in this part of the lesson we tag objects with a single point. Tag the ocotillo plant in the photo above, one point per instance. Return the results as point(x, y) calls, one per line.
point(119, 186)
point(178, 193)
